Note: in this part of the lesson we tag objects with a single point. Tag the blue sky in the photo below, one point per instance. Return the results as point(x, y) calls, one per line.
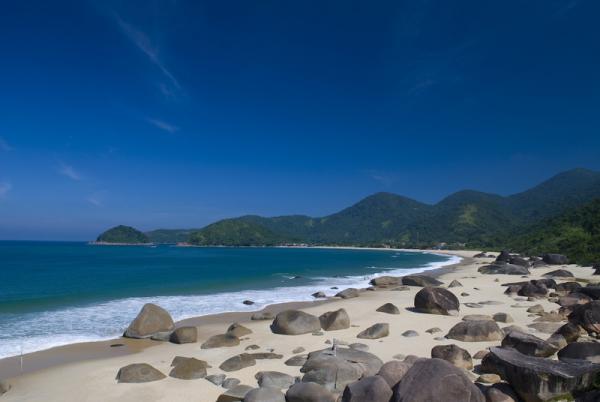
point(179, 113)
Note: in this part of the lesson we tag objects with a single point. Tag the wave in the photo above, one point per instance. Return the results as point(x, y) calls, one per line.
point(32, 332)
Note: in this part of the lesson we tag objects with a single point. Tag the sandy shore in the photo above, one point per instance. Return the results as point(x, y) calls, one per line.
point(86, 372)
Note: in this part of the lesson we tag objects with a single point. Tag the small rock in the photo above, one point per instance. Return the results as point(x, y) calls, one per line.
point(230, 383)
point(184, 335)
point(388, 308)
point(237, 362)
point(274, 379)
point(252, 347)
point(265, 315)
point(319, 295)
point(139, 373)
point(188, 369)
point(410, 333)
point(433, 330)
point(376, 331)
point(455, 284)
point(299, 349)
point(216, 379)
point(222, 340)
point(480, 354)
point(489, 378)
point(503, 317)
point(296, 360)
point(248, 302)
point(238, 330)
point(348, 293)
point(359, 346)
point(536, 309)
point(454, 354)
point(235, 394)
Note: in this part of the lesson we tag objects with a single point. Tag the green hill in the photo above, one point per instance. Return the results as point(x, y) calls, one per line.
point(236, 232)
point(170, 235)
point(123, 234)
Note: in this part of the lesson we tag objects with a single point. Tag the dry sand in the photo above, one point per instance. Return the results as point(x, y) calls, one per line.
point(92, 378)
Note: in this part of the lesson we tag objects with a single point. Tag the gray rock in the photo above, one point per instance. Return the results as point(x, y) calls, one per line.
point(503, 317)
point(455, 284)
point(296, 360)
point(410, 333)
point(481, 354)
point(555, 259)
point(433, 330)
point(420, 280)
point(477, 317)
point(431, 380)
point(188, 368)
point(536, 309)
point(150, 320)
point(230, 383)
point(348, 293)
point(573, 299)
point(539, 379)
point(384, 281)
point(388, 308)
point(219, 341)
point(589, 351)
point(504, 269)
point(309, 392)
point(238, 330)
point(560, 273)
point(587, 316)
point(335, 320)
point(393, 371)
point(238, 362)
point(184, 335)
point(500, 392)
point(454, 354)
point(265, 356)
point(295, 322)
point(299, 349)
point(235, 394)
point(319, 295)
point(252, 347)
point(372, 389)
point(138, 373)
point(473, 305)
point(476, 331)
point(528, 344)
point(436, 301)
point(274, 379)
point(359, 346)
point(216, 379)
point(262, 316)
point(375, 331)
point(264, 394)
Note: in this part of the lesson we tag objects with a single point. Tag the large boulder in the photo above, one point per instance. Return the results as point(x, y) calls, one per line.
point(573, 299)
point(536, 379)
point(589, 351)
point(388, 308)
point(309, 392)
point(238, 362)
point(138, 373)
point(587, 316)
point(420, 280)
point(393, 371)
point(516, 260)
point(235, 394)
point(335, 320)
point(274, 379)
point(528, 344)
point(453, 354)
point(238, 330)
point(555, 259)
point(264, 394)
point(532, 290)
point(189, 369)
point(431, 380)
point(383, 281)
point(151, 320)
point(476, 331)
point(184, 335)
point(560, 273)
point(372, 389)
point(436, 301)
point(504, 269)
point(375, 331)
point(348, 293)
point(295, 322)
point(591, 291)
point(503, 257)
point(221, 340)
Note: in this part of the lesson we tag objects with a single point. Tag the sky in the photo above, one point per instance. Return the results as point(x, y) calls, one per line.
point(174, 114)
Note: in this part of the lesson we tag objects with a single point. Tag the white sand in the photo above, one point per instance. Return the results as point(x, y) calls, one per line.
point(95, 380)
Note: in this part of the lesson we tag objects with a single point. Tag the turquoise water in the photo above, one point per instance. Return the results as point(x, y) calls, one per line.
point(54, 293)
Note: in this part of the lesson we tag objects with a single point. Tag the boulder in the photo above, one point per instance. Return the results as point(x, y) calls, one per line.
point(455, 284)
point(568, 287)
point(265, 356)
point(504, 269)
point(555, 259)
point(372, 389)
point(393, 371)
point(536, 309)
point(489, 379)
point(560, 273)
point(589, 351)
point(262, 316)
point(348, 293)
point(389, 308)
point(189, 369)
point(151, 320)
point(359, 346)
point(375, 331)
point(528, 344)
point(420, 280)
point(384, 281)
point(410, 333)
point(591, 291)
point(235, 394)
point(219, 341)
point(274, 379)
point(453, 354)
point(536, 379)
point(335, 320)
point(264, 394)
point(238, 330)
point(298, 360)
point(516, 260)
point(309, 392)
point(573, 299)
point(230, 383)
point(436, 301)
point(431, 380)
point(216, 379)
point(184, 335)
point(570, 332)
point(238, 362)
point(503, 317)
point(500, 392)
point(587, 316)
point(138, 373)
point(476, 331)
point(533, 290)
point(503, 257)
point(481, 354)
point(295, 322)
point(319, 295)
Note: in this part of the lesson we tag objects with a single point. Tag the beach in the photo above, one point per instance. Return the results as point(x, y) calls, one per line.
point(93, 377)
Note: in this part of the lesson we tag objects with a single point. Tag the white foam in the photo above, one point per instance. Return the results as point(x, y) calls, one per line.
point(38, 331)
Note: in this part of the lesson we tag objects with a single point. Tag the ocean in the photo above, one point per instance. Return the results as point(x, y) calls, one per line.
point(56, 293)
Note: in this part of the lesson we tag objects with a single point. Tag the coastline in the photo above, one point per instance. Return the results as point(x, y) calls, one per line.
point(10, 367)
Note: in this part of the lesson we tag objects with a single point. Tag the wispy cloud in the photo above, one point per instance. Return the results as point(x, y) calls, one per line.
point(5, 188)
point(163, 125)
point(145, 45)
point(69, 171)
point(383, 178)
point(95, 200)
point(5, 146)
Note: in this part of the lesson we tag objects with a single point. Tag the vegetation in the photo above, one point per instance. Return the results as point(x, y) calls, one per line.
point(170, 235)
point(123, 234)
point(232, 232)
